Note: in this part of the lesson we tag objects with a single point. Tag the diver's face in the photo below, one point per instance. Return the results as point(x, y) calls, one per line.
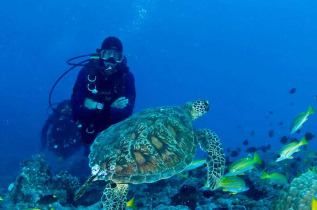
point(110, 65)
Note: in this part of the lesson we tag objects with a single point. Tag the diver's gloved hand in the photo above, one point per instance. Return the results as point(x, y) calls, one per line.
point(120, 103)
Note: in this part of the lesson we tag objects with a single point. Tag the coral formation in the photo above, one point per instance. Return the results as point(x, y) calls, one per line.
point(299, 194)
point(36, 182)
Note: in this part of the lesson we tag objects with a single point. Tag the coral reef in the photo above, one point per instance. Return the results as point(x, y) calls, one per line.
point(299, 194)
point(36, 182)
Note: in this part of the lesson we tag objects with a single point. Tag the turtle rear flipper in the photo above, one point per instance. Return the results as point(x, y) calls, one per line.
point(210, 143)
point(83, 189)
point(115, 197)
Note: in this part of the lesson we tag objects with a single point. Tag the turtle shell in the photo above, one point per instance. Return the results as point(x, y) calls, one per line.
point(151, 145)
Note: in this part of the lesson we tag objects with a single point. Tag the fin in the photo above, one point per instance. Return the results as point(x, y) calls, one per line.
point(303, 141)
point(311, 110)
point(216, 160)
point(264, 175)
point(257, 158)
point(313, 204)
point(130, 203)
point(115, 197)
point(83, 189)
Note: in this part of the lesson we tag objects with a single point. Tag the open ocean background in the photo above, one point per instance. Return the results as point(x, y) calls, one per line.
point(243, 56)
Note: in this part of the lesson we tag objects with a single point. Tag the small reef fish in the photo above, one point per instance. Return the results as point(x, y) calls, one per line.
point(300, 119)
point(130, 203)
point(251, 149)
point(314, 204)
point(234, 153)
point(309, 136)
point(240, 166)
point(233, 185)
point(284, 140)
point(195, 164)
point(245, 142)
point(37, 209)
point(265, 148)
point(47, 199)
point(183, 175)
point(275, 178)
point(288, 150)
point(292, 91)
point(1, 199)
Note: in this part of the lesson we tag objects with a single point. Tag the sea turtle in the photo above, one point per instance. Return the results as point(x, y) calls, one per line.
point(151, 145)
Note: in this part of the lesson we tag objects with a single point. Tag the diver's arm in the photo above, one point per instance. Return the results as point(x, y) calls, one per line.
point(78, 98)
point(118, 115)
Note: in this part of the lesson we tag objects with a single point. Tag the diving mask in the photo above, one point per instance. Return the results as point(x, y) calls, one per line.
point(116, 55)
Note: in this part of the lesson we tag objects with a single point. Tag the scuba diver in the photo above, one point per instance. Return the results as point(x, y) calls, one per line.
point(60, 133)
point(104, 94)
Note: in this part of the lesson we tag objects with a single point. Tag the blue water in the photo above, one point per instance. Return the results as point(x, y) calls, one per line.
point(244, 56)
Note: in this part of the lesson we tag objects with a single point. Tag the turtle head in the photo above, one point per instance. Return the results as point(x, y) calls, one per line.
point(196, 108)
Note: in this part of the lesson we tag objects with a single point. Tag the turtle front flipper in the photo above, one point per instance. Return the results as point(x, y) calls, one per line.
point(83, 189)
point(210, 143)
point(115, 196)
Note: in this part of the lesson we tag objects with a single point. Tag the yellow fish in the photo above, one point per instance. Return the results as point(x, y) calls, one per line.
point(130, 203)
point(275, 178)
point(288, 150)
point(1, 199)
point(314, 204)
point(233, 184)
point(300, 119)
point(242, 165)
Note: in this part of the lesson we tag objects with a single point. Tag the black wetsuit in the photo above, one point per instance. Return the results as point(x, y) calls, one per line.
point(92, 83)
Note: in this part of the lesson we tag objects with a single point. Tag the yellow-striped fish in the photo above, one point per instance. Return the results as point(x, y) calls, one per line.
point(233, 184)
point(300, 119)
point(275, 178)
point(240, 166)
point(314, 204)
point(288, 150)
